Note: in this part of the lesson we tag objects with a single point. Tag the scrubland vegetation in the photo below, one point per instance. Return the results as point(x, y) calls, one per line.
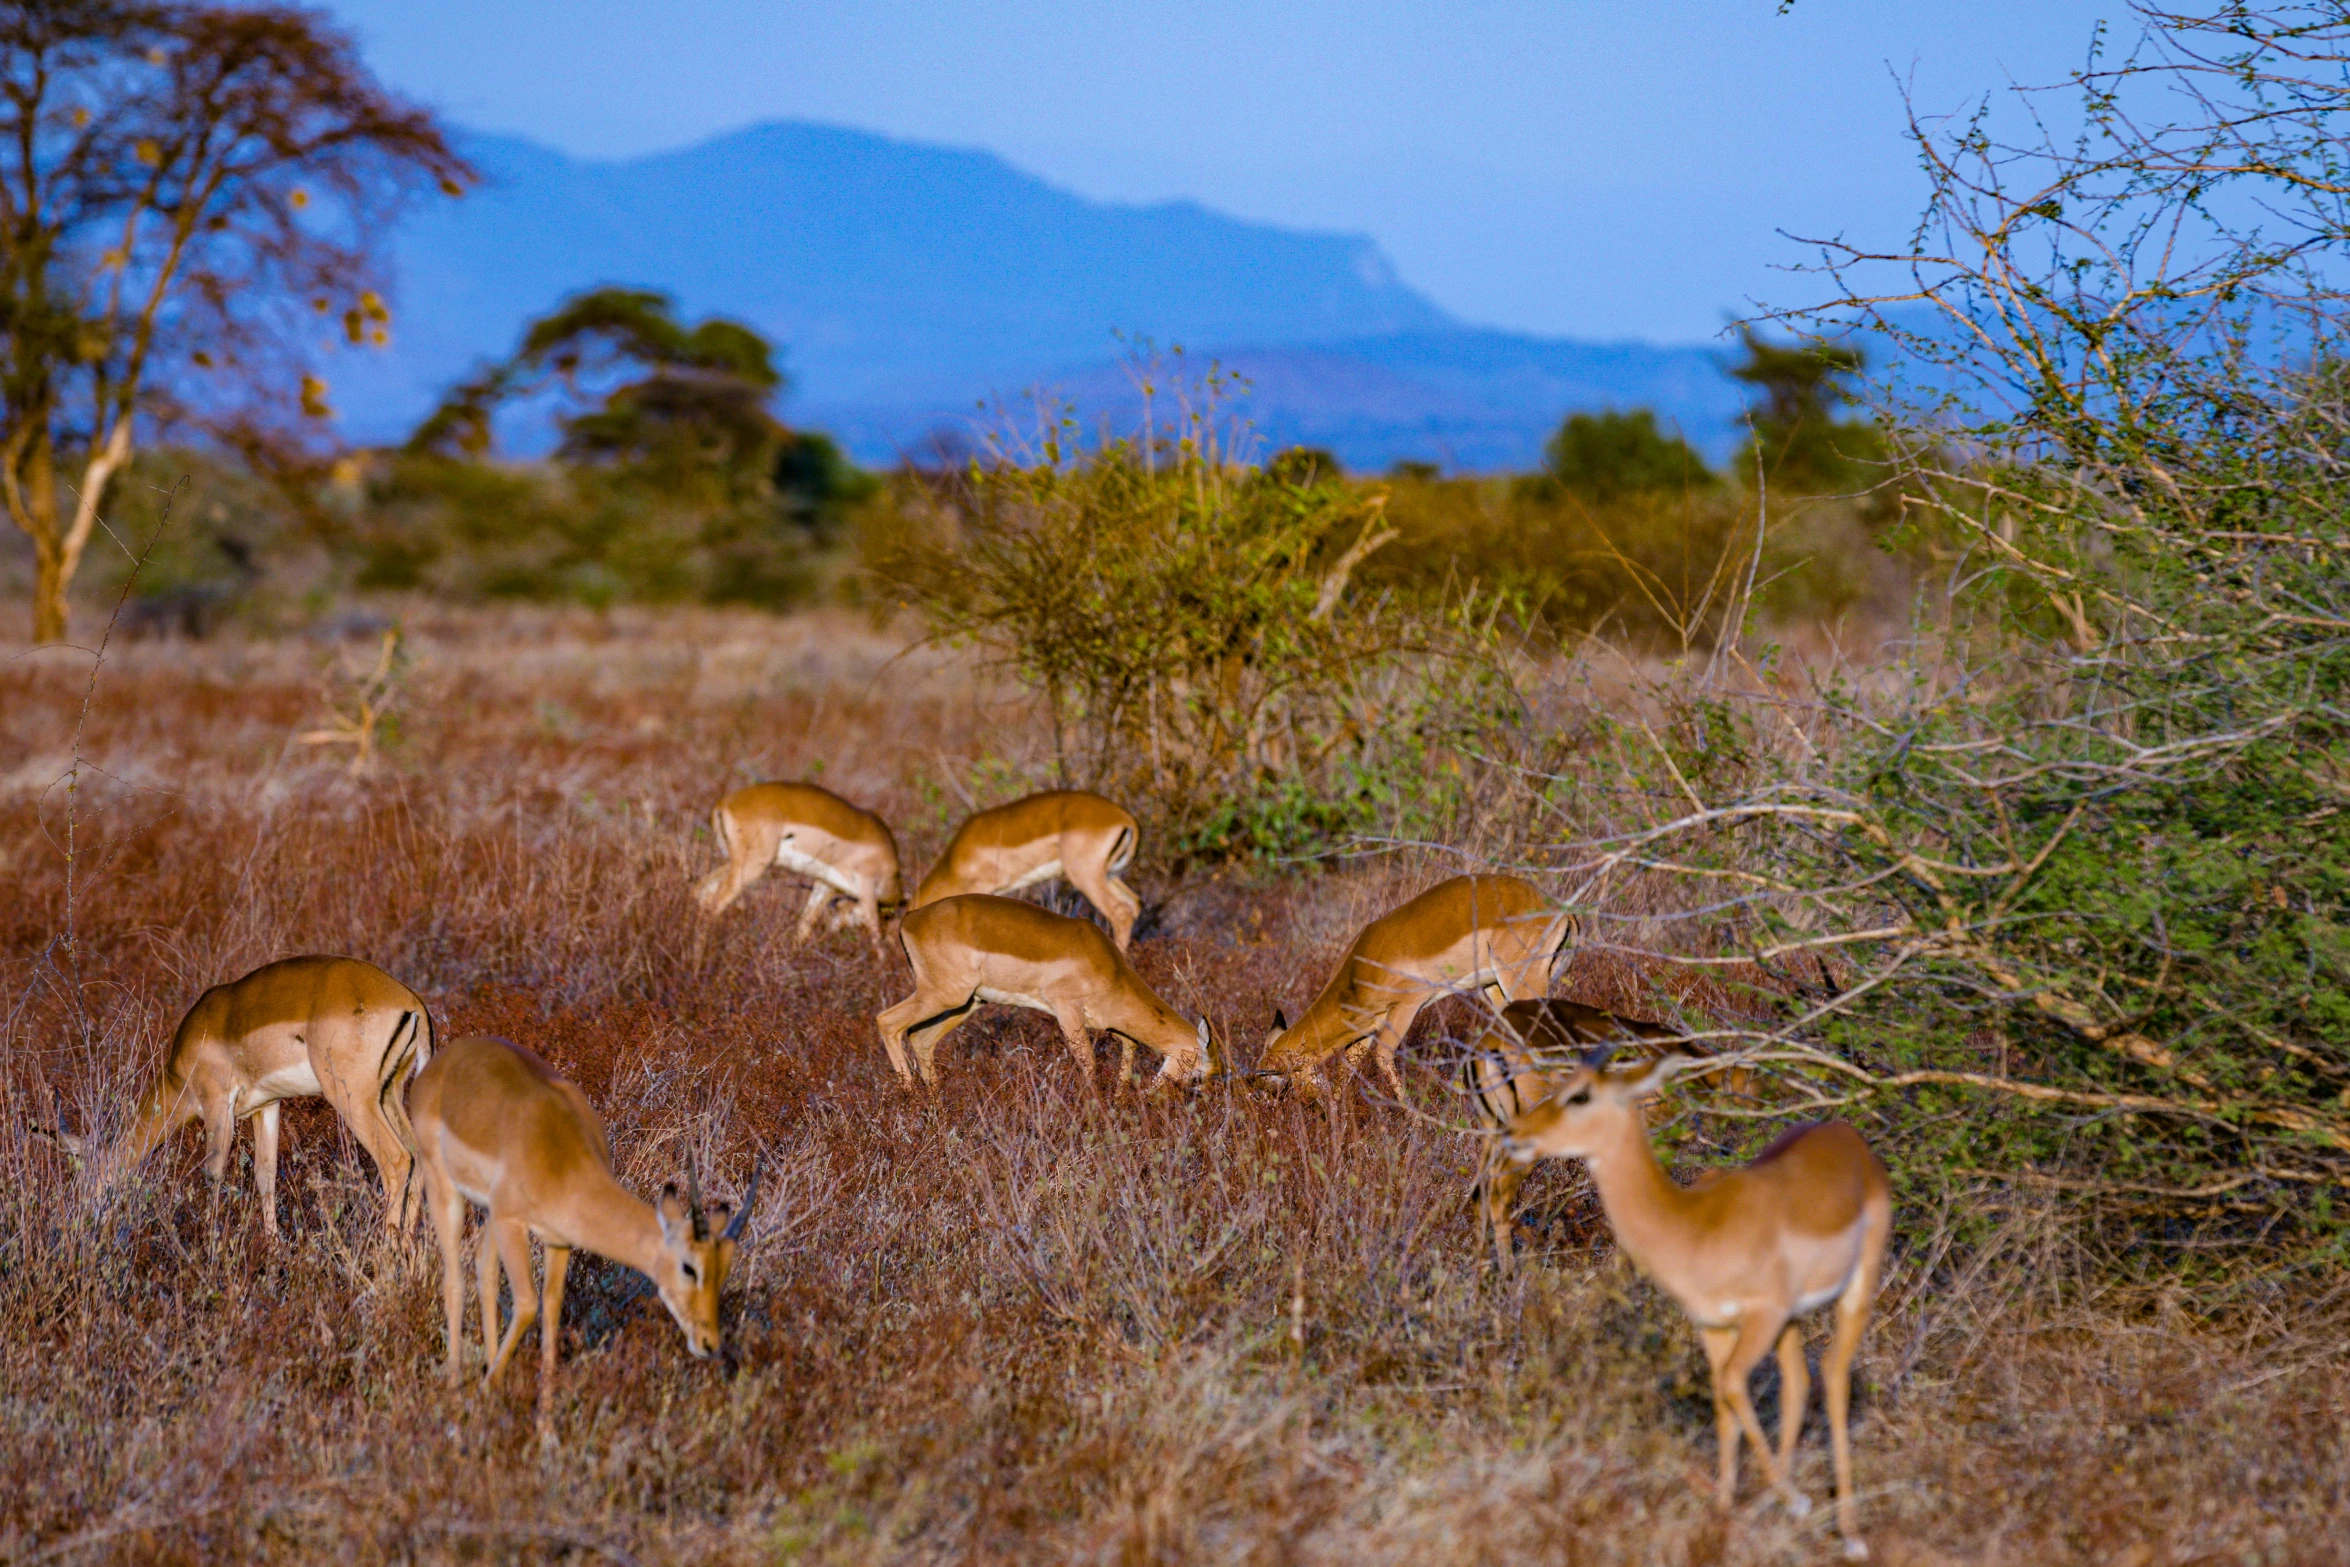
point(1000, 1323)
point(1970, 767)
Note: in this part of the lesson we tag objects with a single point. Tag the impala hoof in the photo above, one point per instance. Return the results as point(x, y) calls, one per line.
point(1856, 1550)
point(1798, 1505)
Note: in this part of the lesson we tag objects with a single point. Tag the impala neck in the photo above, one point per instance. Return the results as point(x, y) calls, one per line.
point(605, 1217)
point(1644, 1206)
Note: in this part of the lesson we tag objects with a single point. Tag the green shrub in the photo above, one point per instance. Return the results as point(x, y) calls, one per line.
point(1195, 631)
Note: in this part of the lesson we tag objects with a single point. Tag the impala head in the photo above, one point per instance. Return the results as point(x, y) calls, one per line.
point(693, 1264)
point(1274, 1082)
point(78, 1149)
point(1587, 1107)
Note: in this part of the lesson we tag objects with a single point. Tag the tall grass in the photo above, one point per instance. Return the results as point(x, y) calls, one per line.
point(998, 1324)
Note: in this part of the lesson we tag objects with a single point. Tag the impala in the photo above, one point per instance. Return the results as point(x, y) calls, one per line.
point(325, 1026)
point(1744, 1252)
point(843, 850)
point(1081, 838)
point(1504, 1075)
point(978, 947)
point(496, 1127)
point(1491, 932)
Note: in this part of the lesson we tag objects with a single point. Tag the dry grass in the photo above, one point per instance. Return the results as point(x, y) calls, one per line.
point(1001, 1324)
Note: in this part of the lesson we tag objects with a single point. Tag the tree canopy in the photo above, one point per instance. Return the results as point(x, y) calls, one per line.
point(1604, 455)
point(180, 187)
point(638, 389)
point(1801, 388)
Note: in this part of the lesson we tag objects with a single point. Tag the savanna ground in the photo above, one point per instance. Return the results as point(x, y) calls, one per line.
point(1004, 1323)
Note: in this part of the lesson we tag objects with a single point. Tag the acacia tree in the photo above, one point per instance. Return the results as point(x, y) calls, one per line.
point(183, 191)
point(642, 391)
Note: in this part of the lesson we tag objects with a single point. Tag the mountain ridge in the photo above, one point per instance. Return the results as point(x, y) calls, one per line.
point(907, 283)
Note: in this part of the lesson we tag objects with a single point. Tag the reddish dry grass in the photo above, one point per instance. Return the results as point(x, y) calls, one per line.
point(1005, 1323)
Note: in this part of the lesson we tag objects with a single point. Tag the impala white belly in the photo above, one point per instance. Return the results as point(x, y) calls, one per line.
point(804, 864)
point(1050, 870)
point(1013, 998)
point(298, 1081)
point(1806, 1304)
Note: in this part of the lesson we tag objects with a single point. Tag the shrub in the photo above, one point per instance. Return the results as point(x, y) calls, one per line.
point(1603, 455)
point(1195, 632)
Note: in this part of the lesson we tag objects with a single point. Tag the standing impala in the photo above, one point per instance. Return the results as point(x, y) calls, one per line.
point(1505, 1076)
point(979, 948)
point(1745, 1252)
point(844, 850)
point(496, 1127)
point(331, 1027)
point(1491, 932)
point(1081, 838)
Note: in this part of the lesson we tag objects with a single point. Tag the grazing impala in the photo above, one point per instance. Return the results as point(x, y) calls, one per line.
point(979, 948)
point(1081, 838)
point(1745, 1252)
point(1491, 932)
point(325, 1026)
point(1505, 1077)
point(496, 1127)
point(843, 850)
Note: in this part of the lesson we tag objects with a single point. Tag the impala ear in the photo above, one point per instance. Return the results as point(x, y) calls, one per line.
point(1649, 1079)
point(671, 1211)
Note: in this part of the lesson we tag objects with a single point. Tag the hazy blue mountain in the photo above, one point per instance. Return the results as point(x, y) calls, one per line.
point(909, 284)
point(1459, 397)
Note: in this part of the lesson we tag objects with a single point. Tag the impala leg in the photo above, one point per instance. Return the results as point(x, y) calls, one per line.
point(1852, 1316)
point(725, 884)
point(819, 899)
point(894, 1022)
point(1389, 1039)
point(485, 1275)
point(265, 1131)
point(447, 1208)
point(513, 1238)
point(1498, 1181)
point(393, 1168)
point(550, 1334)
point(718, 890)
point(1735, 1353)
point(1794, 1395)
point(1080, 1042)
point(1718, 1344)
point(220, 1136)
point(1101, 887)
point(930, 1035)
point(869, 915)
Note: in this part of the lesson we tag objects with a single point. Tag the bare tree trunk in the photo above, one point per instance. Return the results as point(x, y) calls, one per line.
point(57, 551)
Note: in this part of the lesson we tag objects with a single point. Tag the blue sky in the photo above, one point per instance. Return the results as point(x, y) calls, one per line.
point(1593, 168)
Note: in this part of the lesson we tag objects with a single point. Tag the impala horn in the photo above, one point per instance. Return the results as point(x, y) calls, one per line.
point(693, 1199)
point(742, 1215)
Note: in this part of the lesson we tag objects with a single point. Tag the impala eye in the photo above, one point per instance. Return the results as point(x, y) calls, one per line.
point(1581, 1096)
point(691, 1277)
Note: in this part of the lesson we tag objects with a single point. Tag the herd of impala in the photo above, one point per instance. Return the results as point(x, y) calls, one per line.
point(484, 1122)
